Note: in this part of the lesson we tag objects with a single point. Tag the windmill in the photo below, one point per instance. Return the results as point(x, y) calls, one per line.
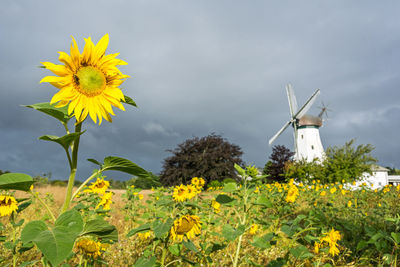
point(307, 142)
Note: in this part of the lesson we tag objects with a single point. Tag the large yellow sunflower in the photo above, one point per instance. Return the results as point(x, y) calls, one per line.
point(8, 204)
point(188, 225)
point(88, 82)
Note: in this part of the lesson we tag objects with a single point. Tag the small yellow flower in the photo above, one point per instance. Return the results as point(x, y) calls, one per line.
point(31, 188)
point(293, 192)
point(89, 248)
point(191, 191)
point(195, 181)
point(349, 204)
point(180, 193)
point(140, 196)
point(216, 205)
point(99, 187)
point(332, 190)
point(323, 193)
point(144, 236)
point(317, 245)
point(379, 204)
point(105, 201)
point(8, 205)
point(253, 229)
point(331, 238)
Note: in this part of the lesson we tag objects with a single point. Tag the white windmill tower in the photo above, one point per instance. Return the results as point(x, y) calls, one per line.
point(307, 142)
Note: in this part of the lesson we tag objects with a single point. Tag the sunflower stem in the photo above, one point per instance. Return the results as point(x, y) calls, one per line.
point(71, 180)
point(44, 205)
point(85, 182)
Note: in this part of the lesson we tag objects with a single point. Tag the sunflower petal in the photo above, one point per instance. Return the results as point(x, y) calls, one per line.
point(101, 46)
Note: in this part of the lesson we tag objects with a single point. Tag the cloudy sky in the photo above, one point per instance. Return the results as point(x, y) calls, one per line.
point(199, 67)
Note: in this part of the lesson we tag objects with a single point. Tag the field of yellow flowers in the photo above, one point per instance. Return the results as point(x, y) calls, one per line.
point(244, 224)
point(248, 223)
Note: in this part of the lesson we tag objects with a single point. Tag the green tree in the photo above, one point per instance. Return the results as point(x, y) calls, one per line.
point(211, 157)
point(346, 163)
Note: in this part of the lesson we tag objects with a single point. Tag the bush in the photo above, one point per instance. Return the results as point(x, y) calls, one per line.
point(147, 182)
point(210, 157)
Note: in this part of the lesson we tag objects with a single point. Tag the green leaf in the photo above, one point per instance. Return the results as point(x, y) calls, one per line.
point(129, 101)
point(189, 245)
point(230, 187)
point(142, 228)
point(224, 199)
point(160, 228)
point(56, 244)
point(60, 114)
point(264, 241)
point(16, 181)
point(124, 165)
point(396, 237)
point(65, 141)
point(215, 247)
point(280, 262)
point(264, 201)
point(240, 170)
point(144, 262)
point(230, 233)
point(301, 252)
point(175, 249)
point(94, 161)
point(287, 230)
point(72, 220)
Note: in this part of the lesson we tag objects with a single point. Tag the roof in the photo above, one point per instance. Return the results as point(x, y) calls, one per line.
point(309, 120)
point(377, 168)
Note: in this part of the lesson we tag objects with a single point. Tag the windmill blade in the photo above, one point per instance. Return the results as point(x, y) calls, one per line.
point(280, 131)
point(303, 110)
point(292, 100)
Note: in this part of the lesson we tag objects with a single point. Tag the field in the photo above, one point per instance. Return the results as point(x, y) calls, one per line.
point(246, 224)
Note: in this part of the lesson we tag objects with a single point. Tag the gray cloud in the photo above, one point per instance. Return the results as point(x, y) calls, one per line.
point(204, 66)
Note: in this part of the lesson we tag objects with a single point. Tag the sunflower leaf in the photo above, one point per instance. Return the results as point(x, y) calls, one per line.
point(142, 228)
point(123, 165)
point(65, 141)
point(129, 101)
point(60, 114)
point(16, 181)
point(56, 244)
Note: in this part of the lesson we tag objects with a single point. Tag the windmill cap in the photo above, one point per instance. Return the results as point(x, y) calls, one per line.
point(309, 120)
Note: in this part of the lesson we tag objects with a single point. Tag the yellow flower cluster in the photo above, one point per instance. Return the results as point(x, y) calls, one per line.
point(330, 239)
point(8, 205)
point(187, 225)
point(90, 248)
point(185, 192)
point(198, 182)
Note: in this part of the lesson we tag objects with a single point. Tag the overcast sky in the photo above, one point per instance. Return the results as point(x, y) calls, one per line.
point(199, 67)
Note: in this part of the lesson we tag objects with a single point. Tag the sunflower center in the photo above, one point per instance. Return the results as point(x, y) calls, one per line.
point(90, 81)
point(185, 226)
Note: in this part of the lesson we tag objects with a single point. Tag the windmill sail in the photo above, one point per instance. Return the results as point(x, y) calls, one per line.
point(292, 100)
point(303, 110)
